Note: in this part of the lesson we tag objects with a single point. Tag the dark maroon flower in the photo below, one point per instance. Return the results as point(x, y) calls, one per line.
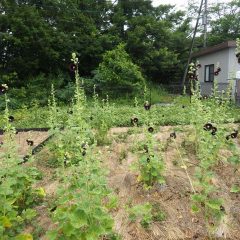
point(234, 135)
point(26, 158)
point(10, 118)
point(214, 130)
point(3, 89)
point(222, 208)
point(145, 147)
point(219, 69)
point(228, 137)
point(191, 76)
point(53, 209)
point(29, 142)
point(150, 129)
point(173, 135)
point(199, 65)
point(215, 73)
point(213, 133)
point(208, 126)
point(134, 120)
point(1, 143)
point(73, 67)
point(147, 105)
point(84, 146)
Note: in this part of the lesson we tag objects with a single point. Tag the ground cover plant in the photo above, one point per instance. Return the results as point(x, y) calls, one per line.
point(140, 180)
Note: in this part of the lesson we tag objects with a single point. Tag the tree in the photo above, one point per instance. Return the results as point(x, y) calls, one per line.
point(117, 72)
point(225, 22)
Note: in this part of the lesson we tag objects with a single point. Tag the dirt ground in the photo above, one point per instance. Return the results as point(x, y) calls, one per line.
point(21, 137)
point(173, 197)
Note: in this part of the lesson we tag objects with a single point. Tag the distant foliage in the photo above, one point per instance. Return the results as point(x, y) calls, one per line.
point(117, 71)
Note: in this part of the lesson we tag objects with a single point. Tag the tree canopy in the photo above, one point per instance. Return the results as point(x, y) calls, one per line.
point(38, 36)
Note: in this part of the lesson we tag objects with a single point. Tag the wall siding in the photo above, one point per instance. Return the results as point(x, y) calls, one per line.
point(227, 62)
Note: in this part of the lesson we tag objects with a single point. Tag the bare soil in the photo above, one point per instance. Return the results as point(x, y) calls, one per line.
point(173, 197)
point(21, 137)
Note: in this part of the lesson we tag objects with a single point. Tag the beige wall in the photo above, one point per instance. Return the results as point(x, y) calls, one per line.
point(228, 64)
point(221, 57)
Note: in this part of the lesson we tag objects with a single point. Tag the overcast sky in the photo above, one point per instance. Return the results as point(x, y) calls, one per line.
point(182, 3)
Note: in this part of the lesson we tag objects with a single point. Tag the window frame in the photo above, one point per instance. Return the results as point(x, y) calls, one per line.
point(210, 74)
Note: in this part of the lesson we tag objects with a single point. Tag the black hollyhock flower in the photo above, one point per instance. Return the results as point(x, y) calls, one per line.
point(53, 209)
point(3, 89)
point(214, 129)
point(65, 160)
point(10, 118)
point(208, 126)
point(84, 146)
point(72, 67)
point(150, 129)
point(147, 105)
point(84, 153)
point(29, 142)
point(234, 135)
point(228, 137)
point(26, 158)
point(219, 69)
point(222, 208)
point(135, 120)
point(173, 135)
point(191, 76)
point(199, 65)
point(215, 73)
point(145, 147)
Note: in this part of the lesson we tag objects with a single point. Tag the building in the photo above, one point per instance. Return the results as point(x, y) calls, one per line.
point(218, 62)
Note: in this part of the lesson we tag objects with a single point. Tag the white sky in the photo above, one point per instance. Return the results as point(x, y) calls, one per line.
point(182, 4)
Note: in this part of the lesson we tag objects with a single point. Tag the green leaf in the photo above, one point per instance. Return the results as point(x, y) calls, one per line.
point(68, 229)
point(235, 189)
point(234, 159)
point(52, 235)
point(195, 208)
point(214, 204)
point(24, 237)
point(198, 198)
point(78, 219)
point(29, 214)
point(5, 222)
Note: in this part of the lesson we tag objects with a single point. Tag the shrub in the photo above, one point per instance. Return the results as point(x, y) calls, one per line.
point(118, 70)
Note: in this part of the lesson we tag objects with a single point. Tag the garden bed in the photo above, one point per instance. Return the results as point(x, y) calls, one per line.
point(172, 198)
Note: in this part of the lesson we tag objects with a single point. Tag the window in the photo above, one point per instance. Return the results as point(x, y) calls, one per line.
point(209, 73)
